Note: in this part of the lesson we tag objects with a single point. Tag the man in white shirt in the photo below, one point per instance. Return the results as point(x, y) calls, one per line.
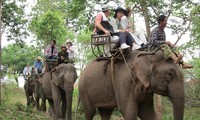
point(27, 71)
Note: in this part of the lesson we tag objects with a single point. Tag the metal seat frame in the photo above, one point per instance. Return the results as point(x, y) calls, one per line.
point(98, 41)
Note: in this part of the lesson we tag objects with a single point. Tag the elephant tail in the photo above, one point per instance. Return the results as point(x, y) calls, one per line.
point(78, 103)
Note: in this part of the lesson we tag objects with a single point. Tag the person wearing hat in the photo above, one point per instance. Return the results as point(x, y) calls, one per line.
point(63, 55)
point(116, 22)
point(38, 65)
point(103, 26)
point(138, 36)
point(70, 50)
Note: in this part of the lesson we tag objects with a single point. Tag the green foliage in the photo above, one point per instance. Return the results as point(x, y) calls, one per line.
point(14, 21)
point(76, 7)
point(15, 57)
point(196, 70)
point(192, 93)
point(44, 6)
point(195, 27)
point(191, 113)
point(49, 26)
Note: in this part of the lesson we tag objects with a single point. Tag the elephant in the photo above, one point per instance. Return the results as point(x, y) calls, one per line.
point(63, 78)
point(39, 93)
point(46, 87)
point(29, 88)
point(129, 84)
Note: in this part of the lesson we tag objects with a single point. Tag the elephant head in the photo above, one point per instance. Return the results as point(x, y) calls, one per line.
point(63, 72)
point(163, 77)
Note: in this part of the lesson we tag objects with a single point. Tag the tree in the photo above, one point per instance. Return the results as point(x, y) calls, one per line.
point(49, 26)
point(14, 22)
point(15, 53)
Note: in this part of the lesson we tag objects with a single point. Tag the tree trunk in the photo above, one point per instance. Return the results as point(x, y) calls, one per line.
point(146, 17)
point(0, 47)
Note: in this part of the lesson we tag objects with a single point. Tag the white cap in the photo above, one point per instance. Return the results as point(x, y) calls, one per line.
point(105, 8)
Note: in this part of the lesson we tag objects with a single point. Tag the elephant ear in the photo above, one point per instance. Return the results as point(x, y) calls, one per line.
point(54, 75)
point(142, 68)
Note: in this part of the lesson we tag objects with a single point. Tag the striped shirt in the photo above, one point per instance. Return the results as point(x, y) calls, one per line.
point(157, 37)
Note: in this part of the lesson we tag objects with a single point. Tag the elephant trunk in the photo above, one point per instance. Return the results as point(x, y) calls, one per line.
point(178, 109)
point(178, 101)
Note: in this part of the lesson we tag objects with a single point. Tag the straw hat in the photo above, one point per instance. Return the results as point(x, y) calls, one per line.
point(63, 46)
point(39, 58)
point(68, 41)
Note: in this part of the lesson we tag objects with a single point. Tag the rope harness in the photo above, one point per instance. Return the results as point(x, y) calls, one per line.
point(128, 69)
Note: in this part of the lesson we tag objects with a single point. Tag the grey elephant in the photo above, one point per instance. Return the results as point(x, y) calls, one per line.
point(29, 88)
point(46, 86)
point(39, 93)
point(62, 85)
point(130, 86)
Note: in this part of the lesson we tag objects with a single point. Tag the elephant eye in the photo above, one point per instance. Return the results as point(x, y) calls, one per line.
point(170, 75)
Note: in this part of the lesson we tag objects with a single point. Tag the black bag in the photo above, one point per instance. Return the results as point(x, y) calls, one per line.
point(107, 26)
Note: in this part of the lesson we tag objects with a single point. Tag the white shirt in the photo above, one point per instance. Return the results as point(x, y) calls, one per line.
point(124, 22)
point(27, 70)
point(70, 51)
point(114, 22)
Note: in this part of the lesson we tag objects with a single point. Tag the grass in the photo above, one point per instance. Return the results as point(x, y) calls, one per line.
point(13, 107)
point(191, 113)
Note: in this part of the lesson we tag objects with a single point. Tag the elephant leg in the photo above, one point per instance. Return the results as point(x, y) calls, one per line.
point(89, 110)
point(105, 113)
point(131, 113)
point(28, 95)
point(37, 103)
point(146, 111)
point(32, 101)
point(64, 104)
point(57, 100)
point(129, 109)
point(51, 108)
point(28, 101)
point(43, 104)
